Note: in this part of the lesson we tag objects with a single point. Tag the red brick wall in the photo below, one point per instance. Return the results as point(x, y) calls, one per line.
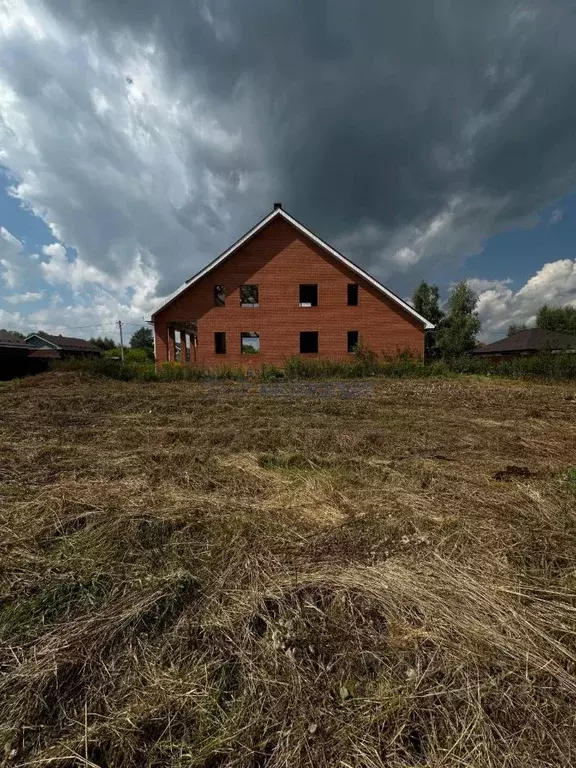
point(278, 259)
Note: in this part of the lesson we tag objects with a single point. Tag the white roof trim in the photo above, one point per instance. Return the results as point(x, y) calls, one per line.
point(338, 256)
point(35, 335)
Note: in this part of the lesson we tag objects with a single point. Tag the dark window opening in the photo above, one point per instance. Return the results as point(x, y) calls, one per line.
point(220, 343)
point(308, 342)
point(308, 295)
point(352, 340)
point(249, 343)
point(249, 296)
point(352, 294)
point(219, 296)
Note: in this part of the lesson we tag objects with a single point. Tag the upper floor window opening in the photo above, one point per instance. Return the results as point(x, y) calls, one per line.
point(308, 296)
point(352, 294)
point(219, 296)
point(249, 296)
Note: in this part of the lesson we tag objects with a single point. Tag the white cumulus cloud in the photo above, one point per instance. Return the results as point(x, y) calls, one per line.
point(499, 305)
point(136, 171)
point(23, 298)
point(149, 136)
point(15, 264)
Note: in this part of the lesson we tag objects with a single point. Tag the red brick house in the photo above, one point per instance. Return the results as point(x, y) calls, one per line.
point(279, 292)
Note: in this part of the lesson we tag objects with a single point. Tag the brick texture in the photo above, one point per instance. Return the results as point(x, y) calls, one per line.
point(278, 259)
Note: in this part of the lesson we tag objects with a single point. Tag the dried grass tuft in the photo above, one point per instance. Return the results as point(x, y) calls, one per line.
point(191, 578)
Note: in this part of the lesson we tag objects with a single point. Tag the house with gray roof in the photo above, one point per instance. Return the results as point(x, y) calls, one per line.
point(61, 346)
point(531, 341)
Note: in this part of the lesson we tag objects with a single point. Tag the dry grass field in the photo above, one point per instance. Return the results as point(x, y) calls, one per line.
point(379, 573)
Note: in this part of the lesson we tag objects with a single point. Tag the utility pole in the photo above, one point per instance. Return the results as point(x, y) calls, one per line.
point(121, 343)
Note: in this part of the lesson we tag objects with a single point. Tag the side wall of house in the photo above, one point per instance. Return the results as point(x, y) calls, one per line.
point(278, 259)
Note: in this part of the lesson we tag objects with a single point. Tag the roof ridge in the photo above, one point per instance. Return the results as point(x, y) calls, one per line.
point(308, 233)
point(530, 339)
point(62, 340)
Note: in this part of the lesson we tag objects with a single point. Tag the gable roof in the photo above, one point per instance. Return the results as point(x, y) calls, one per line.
point(530, 340)
point(8, 339)
point(279, 212)
point(67, 343)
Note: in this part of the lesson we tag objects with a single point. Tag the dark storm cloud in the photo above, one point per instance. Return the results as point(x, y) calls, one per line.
point(382, 111)
point(406, 131)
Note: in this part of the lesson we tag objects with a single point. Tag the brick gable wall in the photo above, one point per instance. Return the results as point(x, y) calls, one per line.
point(278, 259)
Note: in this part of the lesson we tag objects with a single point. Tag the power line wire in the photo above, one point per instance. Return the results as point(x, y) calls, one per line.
point(94, 325)
point(136, 325)
point(77, 327)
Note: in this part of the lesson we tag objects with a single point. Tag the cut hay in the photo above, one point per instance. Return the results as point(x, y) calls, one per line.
point(237, 580)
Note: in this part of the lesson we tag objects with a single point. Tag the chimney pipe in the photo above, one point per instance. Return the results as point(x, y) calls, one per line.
point(277, 205)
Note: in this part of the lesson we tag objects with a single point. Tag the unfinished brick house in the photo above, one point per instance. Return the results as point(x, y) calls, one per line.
point(279, 292)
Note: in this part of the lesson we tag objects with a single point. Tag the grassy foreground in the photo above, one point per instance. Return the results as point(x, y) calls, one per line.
point(366, 574)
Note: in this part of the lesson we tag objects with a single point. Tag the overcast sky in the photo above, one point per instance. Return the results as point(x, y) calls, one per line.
point(429, 139)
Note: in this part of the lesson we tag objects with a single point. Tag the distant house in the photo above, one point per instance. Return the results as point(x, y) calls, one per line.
point(15, 357)
point(532, 341)
point(278, 292)
point(12, 345)
point(46, 345)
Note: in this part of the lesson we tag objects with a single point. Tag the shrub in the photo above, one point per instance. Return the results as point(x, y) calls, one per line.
point(301, 368)
point(363, 363)
point(271, 372)
point(365, 355)
point(98, 366)
point(171, 372)
point(147, 373)
point(553, 367)
point(130, 355)
point(137, 355)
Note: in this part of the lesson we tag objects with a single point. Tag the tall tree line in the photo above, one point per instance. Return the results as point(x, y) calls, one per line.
point(455, 330)
point(561, 319)
point(550, 318)
point(456, 324)
point(142, 339)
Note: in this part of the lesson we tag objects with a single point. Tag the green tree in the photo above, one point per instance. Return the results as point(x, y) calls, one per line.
point(457, 334)
point(561, 319)
point(143, 339)
point(103, 342)
point(516, 328)
point(426, 301)
point(136, 355)
point(18, 334)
